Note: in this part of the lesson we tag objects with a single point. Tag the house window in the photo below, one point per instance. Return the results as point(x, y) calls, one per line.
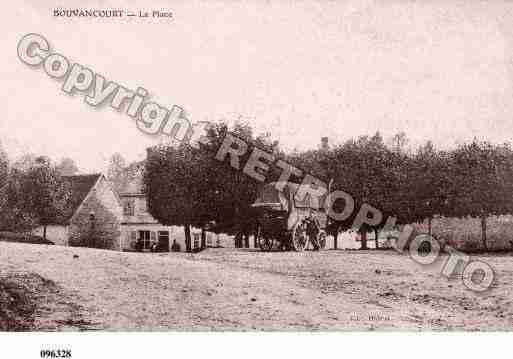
point(143, 206)
point(196, 243)
point(128, 208)
point(144, 239)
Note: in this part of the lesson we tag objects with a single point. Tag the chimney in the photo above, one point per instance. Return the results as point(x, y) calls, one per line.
point(324, 143)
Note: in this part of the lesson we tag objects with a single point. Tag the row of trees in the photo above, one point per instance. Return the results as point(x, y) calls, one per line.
point(474, 179)
point(33, 192)
point(190, 187)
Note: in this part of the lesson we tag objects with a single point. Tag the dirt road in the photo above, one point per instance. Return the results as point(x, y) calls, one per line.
point(224, 289)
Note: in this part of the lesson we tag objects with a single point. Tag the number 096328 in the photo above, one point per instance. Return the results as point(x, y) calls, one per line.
point(59, 353)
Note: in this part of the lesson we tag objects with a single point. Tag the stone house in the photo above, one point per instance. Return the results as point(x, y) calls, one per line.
point(95, 215)
point(140, 231)
point(99, 217)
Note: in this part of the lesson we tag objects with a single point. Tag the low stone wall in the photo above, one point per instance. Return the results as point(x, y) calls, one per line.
point(465, 234)
point(54, 233)
point(500, 232)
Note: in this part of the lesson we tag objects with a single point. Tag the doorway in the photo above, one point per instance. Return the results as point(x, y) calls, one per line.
point(163, 243)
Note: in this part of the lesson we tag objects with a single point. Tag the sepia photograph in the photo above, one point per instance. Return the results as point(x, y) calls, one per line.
point(268, 167)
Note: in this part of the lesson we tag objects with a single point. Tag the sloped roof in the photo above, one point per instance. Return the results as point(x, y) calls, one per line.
point(80, 186)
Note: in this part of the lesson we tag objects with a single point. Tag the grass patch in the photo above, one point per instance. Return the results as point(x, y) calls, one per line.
point(17, 302)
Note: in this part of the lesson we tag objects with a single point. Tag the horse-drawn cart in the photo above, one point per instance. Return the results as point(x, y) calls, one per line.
point(286, 222)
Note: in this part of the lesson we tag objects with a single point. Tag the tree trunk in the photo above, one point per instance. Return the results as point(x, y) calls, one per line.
point(246, 240)
point(203, 238)
point(376, 235)
point(363, 237)
point(335, 240)
point(483, 232)
point(44, 232)
point(187, 230)
point(255, 241)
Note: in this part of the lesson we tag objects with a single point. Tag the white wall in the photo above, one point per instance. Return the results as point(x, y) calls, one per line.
point(54, 233)
point(175, 233)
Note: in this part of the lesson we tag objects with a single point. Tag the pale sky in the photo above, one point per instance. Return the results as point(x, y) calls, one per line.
point(439, 70)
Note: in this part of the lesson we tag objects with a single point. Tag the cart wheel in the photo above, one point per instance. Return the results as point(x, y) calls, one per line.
point(265, 243)
point(321, 239)
point(299, 237)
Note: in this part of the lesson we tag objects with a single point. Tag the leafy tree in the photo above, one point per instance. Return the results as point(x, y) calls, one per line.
point(25, 162)
point(481, 182)
point(372, 174)
point(190, 187)
point(173, 178)
point(16, 215)
point(311, 161)
point(4, 174)
point(116, 172)
point(39, 194)
point(399, 142)
point(475, 180)
point(230, 191)
point(67, 167)
point(429, 180)
point(4, 166)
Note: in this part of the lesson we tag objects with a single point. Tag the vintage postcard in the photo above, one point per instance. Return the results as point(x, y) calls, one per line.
point(256, 166)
